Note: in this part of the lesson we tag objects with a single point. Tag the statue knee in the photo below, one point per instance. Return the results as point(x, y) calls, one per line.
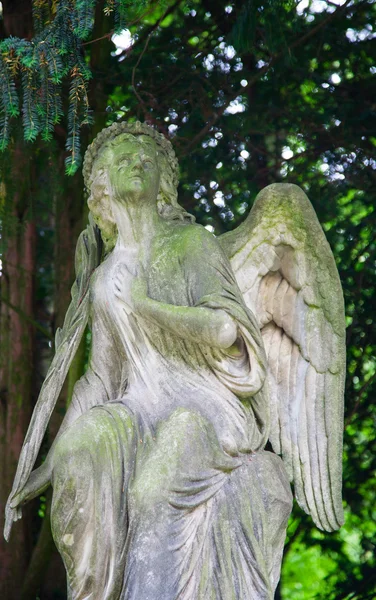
point(72, 450)
point(185, 424)
point(177, 449)
point(188, 437)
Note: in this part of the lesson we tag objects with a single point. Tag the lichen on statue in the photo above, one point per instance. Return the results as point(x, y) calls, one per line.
point(202, 350)
point(98, 158)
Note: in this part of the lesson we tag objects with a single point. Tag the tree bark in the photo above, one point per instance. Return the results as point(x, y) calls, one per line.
point(38, 568)
point(18, 18)
point(16, 374)
point(16, 334)
point(71, 215)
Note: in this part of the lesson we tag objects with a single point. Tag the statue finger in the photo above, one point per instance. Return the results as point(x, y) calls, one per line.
point(26, 494)
point(16, 500)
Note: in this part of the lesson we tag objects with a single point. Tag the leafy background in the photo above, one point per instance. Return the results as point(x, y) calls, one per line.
point(250, 93)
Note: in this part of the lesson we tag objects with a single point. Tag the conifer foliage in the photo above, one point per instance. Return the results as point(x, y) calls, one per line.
point(32, 72)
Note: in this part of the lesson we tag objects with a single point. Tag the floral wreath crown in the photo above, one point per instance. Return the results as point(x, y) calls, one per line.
point(110, 133)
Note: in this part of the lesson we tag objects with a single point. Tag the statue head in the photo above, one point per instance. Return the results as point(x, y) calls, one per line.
point(97, 165)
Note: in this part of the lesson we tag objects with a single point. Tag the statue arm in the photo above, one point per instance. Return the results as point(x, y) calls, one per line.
point(209, 319)
point(67, 339)
point(84, 392)
point(198, 324)
point(88, 391)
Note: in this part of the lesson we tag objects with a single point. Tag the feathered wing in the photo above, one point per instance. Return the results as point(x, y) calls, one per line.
point(287, 274)
point(67, 339)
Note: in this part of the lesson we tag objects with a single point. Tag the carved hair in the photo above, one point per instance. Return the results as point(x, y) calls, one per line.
point(94, 171)
point(113, 131)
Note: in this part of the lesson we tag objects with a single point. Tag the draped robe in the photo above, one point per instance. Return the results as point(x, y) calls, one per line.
point(162, 487)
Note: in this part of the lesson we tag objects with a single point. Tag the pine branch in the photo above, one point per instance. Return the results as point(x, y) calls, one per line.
point(84, 17)
point(10, 101)
point(4, 131)
point(30, 116)
point(41, 14)
point(78, 115)
point(42, 64)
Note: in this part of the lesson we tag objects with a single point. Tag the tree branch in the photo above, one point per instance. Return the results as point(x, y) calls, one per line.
point(216, 116)
point(152, 28)
point(363, 389)
point(134, 72)
point(320, 25)
point(130, 24)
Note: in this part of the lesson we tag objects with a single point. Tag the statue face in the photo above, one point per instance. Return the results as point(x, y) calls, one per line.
point(134, 172)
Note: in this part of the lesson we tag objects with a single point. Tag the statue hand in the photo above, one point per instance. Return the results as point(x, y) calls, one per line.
point(11, 515)
point(38, 481)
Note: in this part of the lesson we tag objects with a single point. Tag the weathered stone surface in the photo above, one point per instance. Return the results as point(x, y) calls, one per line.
point(202, 350)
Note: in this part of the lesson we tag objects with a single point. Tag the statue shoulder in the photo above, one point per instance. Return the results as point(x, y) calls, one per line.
point(194, 239)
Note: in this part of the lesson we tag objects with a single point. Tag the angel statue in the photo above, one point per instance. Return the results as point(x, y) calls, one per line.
point(203, 349)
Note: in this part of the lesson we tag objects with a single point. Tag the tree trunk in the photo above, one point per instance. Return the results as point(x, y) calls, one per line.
point(16, 335)
point(71, 215)
point(16, 373)
point(26, 571)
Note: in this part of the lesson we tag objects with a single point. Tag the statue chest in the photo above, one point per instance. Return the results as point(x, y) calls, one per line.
point(111, 287)
point(166, 277)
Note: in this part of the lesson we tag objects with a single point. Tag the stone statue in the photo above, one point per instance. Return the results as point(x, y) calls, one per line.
point(203, 349)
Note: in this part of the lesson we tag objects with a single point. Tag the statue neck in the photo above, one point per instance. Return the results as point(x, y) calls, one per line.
point(137, 224)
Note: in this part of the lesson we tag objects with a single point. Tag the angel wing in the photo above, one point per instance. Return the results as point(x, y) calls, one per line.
point(288, 277)
point(67, 339)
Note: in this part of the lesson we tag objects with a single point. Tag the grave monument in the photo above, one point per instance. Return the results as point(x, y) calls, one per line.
point(203, 350)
